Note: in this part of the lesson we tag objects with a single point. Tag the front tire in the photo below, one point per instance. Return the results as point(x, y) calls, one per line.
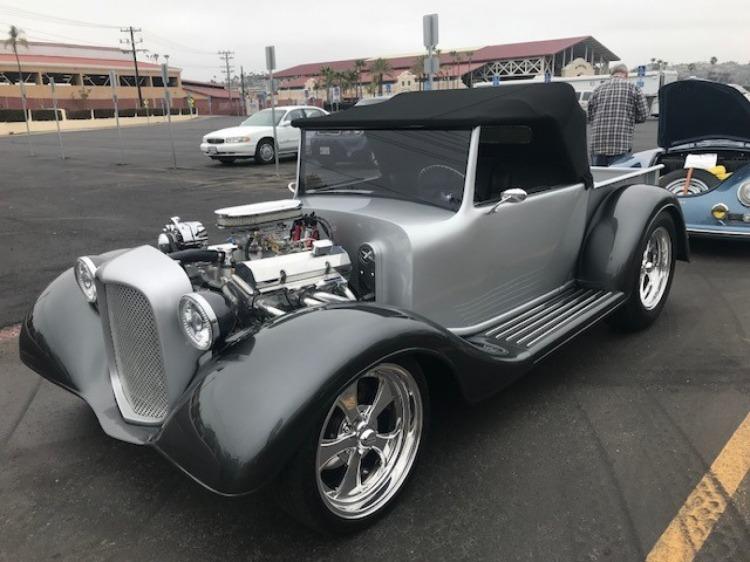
point(360, 454)
point(265, 152)
point(654, 271)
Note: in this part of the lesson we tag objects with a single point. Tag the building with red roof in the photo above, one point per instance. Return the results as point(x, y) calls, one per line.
point(458, 68)
point(81, 74)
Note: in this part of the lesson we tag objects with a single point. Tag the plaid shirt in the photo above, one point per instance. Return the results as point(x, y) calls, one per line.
point(614, 109)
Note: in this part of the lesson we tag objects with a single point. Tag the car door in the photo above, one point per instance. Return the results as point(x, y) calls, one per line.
point(520, 249)
point(289, 136)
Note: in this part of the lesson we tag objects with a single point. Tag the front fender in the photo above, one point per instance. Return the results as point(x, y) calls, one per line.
point(249, 410)
point(62, 340)
point(617, 230)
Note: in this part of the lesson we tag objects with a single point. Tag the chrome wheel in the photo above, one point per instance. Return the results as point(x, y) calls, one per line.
point(266, 152)
point(656, 267)
point(369, 441)
point(678, 187)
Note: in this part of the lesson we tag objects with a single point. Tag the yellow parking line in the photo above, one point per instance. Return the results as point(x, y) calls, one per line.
point(687, 532)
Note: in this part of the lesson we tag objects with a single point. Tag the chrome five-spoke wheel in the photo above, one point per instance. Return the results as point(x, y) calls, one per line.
point(656, 267)
point(369, 441)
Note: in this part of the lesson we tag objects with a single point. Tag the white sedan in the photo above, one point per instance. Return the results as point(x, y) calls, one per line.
point(253, 138)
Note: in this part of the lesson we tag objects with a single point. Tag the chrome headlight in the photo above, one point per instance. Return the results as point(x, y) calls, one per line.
point(235, 140)
point(85, 271)
point(198, 321)
point(204, 318)
point(743, 194)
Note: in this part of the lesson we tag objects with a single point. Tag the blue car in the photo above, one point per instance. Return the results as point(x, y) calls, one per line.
point(704, 123)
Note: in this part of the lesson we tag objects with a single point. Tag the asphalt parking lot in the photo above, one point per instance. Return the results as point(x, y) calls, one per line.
point(595, 455)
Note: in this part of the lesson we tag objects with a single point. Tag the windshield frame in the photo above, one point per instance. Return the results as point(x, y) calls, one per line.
point(469, 171)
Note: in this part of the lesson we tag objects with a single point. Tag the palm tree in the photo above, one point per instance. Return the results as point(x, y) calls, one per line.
point(417, 69)
point(328, 76)
point(379, 68)
point(359, 66)
point(16, 39)
point(454, 59)
point(469, 55)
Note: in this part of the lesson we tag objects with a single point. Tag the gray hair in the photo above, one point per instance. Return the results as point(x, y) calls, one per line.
point(619, 69)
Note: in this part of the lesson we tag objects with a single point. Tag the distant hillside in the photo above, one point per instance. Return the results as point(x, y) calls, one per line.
point(726, 72)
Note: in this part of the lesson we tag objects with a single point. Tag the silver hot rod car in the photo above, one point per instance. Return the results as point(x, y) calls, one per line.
point(466, 241)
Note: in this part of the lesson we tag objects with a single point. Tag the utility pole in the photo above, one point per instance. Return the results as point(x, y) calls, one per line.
point(228, 56)
point(242, 89)
point(132, 42)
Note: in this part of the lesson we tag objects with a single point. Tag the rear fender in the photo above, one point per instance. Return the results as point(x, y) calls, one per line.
point(618, 228)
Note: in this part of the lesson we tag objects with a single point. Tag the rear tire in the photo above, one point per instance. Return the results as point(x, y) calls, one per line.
point(653, 274)
point(700, 182)
point(264, 152)
point(360, 454)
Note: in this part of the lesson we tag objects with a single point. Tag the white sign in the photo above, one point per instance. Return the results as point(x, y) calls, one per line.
point(336, 94)
point(700, 161)
point(431, 65)
point(430, 30)
point(270, 58)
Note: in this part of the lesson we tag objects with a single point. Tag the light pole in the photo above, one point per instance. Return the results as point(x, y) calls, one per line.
point(270, 66)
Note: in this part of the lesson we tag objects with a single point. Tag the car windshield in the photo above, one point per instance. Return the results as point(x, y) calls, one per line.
point(263, 118)
point(424, 166)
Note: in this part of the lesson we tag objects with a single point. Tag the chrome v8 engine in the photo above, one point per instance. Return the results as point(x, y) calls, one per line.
point(275, 259)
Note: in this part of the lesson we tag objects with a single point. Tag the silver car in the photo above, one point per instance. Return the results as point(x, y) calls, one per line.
point(467, 240)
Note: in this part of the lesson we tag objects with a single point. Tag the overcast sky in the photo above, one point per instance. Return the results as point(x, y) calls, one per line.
point(192, 31)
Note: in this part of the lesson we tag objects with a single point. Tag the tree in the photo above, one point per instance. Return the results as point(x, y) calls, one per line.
point(16, 39)
point(714, 60)
point(359, 67)
point(379, 68)
point(454, 59)
point(328, 78)
point(469, 55)
point(417, 69)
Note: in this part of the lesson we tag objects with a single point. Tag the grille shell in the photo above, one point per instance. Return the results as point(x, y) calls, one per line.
point(137, 362)
point(215, 141)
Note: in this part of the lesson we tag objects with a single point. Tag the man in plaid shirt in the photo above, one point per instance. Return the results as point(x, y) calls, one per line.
point(614, 109)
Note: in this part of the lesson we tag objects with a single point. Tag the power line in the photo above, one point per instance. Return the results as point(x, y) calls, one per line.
point(160, 40)
point(20, 12)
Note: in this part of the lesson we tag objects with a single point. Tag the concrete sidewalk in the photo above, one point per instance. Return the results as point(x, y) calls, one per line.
point(88, 124)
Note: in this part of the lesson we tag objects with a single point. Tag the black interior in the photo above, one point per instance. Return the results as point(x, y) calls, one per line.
point(502, 165)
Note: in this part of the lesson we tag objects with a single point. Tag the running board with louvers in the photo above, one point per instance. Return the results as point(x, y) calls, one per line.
point(551, 321)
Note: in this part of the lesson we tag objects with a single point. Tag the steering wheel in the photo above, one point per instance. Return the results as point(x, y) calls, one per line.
point(441, 183)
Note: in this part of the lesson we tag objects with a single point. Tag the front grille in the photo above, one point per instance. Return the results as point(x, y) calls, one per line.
point(215, 141)
point(137, 358)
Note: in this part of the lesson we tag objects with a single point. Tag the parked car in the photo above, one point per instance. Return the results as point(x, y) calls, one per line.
point(302, 352)
point(253, 138)
point(704, 126)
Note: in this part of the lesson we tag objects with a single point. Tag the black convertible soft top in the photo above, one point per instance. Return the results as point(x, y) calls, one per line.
point(551, 110)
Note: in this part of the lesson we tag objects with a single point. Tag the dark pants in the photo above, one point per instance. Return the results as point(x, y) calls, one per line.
point(605, 160)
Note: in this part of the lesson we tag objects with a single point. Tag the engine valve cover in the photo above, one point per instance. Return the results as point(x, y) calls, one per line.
point(293, 270)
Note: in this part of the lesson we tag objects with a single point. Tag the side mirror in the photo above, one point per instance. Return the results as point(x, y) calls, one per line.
point(513, 195)
point(292, 187)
